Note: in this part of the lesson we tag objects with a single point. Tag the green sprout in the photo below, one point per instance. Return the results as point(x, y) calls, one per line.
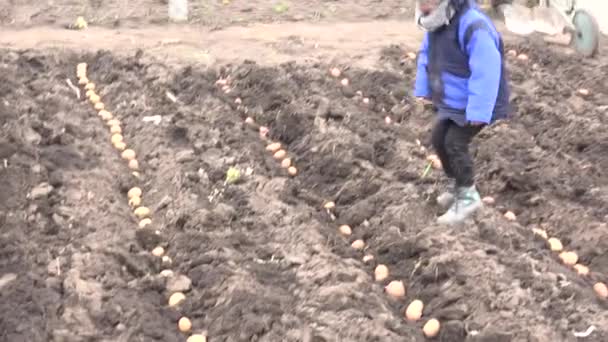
point(233, 175)
point(427, 169)
point(281, 7)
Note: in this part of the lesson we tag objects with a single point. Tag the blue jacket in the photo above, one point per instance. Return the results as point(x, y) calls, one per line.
point(461, 68)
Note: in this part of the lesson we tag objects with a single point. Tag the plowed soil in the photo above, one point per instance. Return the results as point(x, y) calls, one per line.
point(265, 259)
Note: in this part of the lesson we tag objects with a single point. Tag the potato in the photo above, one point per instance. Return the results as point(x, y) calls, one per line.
point(329, 205)
point(120, 146)
point(134, 192)
point(345, 230)
point(184, 325)
point(368, 258)
point(83, 80)
point(583, 92)
point(435, 161)
point(135, 202)
point(105, 115)
point(395, 288)
point(335, 72)
point(581, 269)
point(142, 212)
point(113, 122)
point(99, 106)
point(89, 93)
point(358, 244)
point(523, 57)
point(555, 245)
point(115, 129)
point(249, 120)
point(197, 338)
point(143, 223)
point(273, 147)
point(94, 99)
point(292, 171)
point(116, 138)
point(512, 53)
point(431, 328)
point(540, 232)
point(345, 82)
point(510, 216)
point(286, 163)
point(166, 261)
point(601, 290)
point(411, 55)
point(176, 299)
point(128, 154)
point(238, 101)
point(90, 86)
point(166, 273)
point(366, 100)
point(569, 258)
point(133, 164)
point(381, 272)
point(414, 310)
point(388, 120)
point(158, 251)
point(280, 154)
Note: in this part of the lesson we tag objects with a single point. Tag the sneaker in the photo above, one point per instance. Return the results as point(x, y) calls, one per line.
point(446, 199)
point(467, 201)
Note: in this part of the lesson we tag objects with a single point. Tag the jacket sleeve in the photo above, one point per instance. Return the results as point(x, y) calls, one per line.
point(422, 87)
point(485, 63)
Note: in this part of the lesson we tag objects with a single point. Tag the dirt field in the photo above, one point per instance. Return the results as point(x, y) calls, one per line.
point(262, 260)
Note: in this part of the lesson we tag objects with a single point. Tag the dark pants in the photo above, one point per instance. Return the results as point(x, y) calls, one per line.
point(451, 143)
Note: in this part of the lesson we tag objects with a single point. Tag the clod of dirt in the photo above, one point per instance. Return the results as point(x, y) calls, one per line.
point(42, 190)
point(147, 238)
point(179, 283)
point(184, 156)
point(453, 331)
point(6, 279)
point(136, 264)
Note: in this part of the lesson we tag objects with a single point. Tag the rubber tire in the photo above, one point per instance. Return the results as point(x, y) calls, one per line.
point(586, 39)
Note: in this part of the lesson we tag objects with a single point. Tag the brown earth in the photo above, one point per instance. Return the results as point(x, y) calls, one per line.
point(266, 262)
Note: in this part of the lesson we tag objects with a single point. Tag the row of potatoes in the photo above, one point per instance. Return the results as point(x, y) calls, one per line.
point(135, 194)
point(395, 289)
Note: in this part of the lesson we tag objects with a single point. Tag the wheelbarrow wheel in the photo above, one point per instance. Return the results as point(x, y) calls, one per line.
point(586, 38)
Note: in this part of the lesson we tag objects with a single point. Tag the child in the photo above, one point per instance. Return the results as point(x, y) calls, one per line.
point(461, 69)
